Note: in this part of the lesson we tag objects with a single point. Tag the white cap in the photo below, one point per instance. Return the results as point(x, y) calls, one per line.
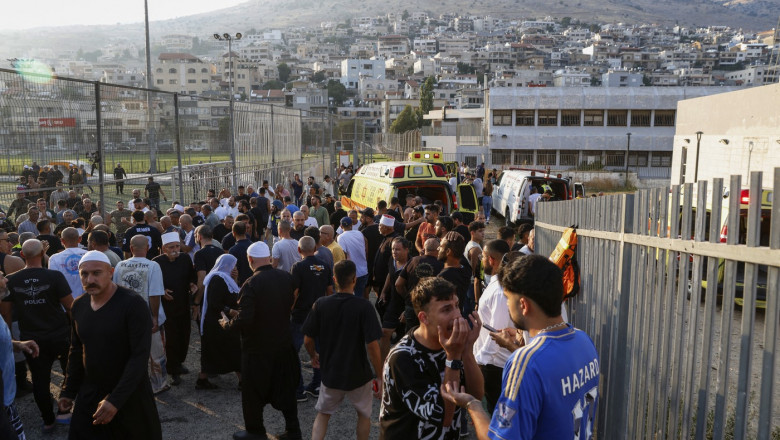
point(387, 220)
point(170, 237)
point(178, 208)
point(94, 256)
point(258, 249)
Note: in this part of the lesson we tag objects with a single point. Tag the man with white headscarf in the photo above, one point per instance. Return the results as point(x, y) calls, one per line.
point(269, 362)
point(179, 281)
point(220, 351)
point(107, 376)
point(144, 277)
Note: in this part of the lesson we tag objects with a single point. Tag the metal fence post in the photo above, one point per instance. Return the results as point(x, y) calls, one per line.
point(233, 145)
point(618, 386)
point(99, 140)
point(178, 146)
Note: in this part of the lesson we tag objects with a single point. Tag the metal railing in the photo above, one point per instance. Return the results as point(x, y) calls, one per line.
point(679, 357)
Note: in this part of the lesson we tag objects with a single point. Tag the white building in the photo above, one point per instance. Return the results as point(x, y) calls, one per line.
point(563, 127)
point(352, 70)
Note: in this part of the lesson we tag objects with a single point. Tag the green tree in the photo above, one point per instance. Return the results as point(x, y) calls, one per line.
point(405, 15)
point(318, 76)
point(426, 101)
point(406, 121)
point(337, 91)
point(466, 69)
point(565, 22)
point(273, 84)
point(284, 72)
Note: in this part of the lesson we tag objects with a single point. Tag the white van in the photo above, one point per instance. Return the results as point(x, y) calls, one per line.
point(513, 188)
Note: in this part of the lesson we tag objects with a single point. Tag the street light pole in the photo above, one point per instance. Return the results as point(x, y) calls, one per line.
point(628, 149)
point(230, 39)
point(149, 123)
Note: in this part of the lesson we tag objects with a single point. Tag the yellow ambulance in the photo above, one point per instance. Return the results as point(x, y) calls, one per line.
point(385, 180)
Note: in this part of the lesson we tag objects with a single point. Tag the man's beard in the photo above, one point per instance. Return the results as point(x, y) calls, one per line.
point(521, 324)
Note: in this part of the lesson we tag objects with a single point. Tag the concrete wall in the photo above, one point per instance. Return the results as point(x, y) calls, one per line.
point(731, 124)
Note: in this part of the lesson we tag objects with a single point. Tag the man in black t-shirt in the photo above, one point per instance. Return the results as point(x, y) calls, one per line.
point(422, 266)
point(142, 228)
point(347, 337)
point(41, 299)
point(450, 253)
point(312, 279)
point(119, 175)
point(204, 260)
point(153, 191)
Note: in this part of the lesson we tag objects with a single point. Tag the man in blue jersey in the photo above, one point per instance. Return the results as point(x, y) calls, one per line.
point(550, 385)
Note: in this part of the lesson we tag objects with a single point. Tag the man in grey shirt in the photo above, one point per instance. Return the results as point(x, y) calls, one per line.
point(30, 225)
point(285, 251)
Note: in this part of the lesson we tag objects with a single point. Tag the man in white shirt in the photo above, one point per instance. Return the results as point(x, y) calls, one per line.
point(285, 251)
point(144, 277)
point(493, 311)
point(454, 183)
point(354, 244)
point(136, 195)
point(532, 199)
point(67, 261)
point(308, 221)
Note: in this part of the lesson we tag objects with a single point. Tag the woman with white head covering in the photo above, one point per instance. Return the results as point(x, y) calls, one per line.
point(220, 350)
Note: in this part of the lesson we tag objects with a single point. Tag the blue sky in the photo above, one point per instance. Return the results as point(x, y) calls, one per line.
point(23, 15)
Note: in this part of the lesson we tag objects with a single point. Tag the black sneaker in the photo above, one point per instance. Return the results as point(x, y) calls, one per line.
point(287, 435)
point(314, 392)
point(300, 397)
point(204, 384)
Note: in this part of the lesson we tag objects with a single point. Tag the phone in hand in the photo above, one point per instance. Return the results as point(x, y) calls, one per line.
point(489, 328)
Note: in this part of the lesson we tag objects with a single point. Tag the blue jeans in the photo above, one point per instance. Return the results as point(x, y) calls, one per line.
point(360, 285)
point(487, 205)
point(297, 337)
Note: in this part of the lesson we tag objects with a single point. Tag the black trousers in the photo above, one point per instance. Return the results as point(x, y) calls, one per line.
point(177, 341)
point(493, 381)
point(40, 370)
point(120, 187)
point(269, 378)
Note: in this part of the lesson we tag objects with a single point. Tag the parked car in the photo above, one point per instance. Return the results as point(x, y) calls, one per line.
point(511, 192)
point(194, 147)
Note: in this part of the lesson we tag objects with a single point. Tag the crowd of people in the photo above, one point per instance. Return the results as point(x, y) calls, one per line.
point(461, 327)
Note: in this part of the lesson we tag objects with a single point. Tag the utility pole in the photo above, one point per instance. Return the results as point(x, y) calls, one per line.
point(628, 149)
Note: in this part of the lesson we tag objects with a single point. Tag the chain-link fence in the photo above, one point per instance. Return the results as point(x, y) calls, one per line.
point(106, 140)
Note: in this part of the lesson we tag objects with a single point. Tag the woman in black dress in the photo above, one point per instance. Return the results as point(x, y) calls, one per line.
point(220, 350)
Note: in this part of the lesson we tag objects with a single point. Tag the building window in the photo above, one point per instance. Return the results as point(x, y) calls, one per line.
point(502, 118)
point(204, 81)
point(523, 157)
point(617, 118)
point(204, 70)
point(501, 157)
point(637, 159)
point(594, 118)
point(548, 118)
point(545, 157)
point(570, 118)
point(664, 118)
point(640, 118)
point(616, 158)
point(661, 159)
point(171, 70)
point(159, 81)
point(524, 118)
point(133, 122)
point(190, 70)
point(192, 81)
point(172, 81)
point(569, 158)
point(159, 70)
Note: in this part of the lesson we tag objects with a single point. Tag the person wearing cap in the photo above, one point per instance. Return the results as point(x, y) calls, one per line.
point(274, 218)
point(355, 244)
point(41, 301)
point(269, 363)
point(179, 278)
point(144, 277)
point(384, 253)
point(107, 376)
point(66, 262)
point(119, 175)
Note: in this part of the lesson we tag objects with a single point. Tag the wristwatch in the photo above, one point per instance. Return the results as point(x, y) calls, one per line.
point(455, 364)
